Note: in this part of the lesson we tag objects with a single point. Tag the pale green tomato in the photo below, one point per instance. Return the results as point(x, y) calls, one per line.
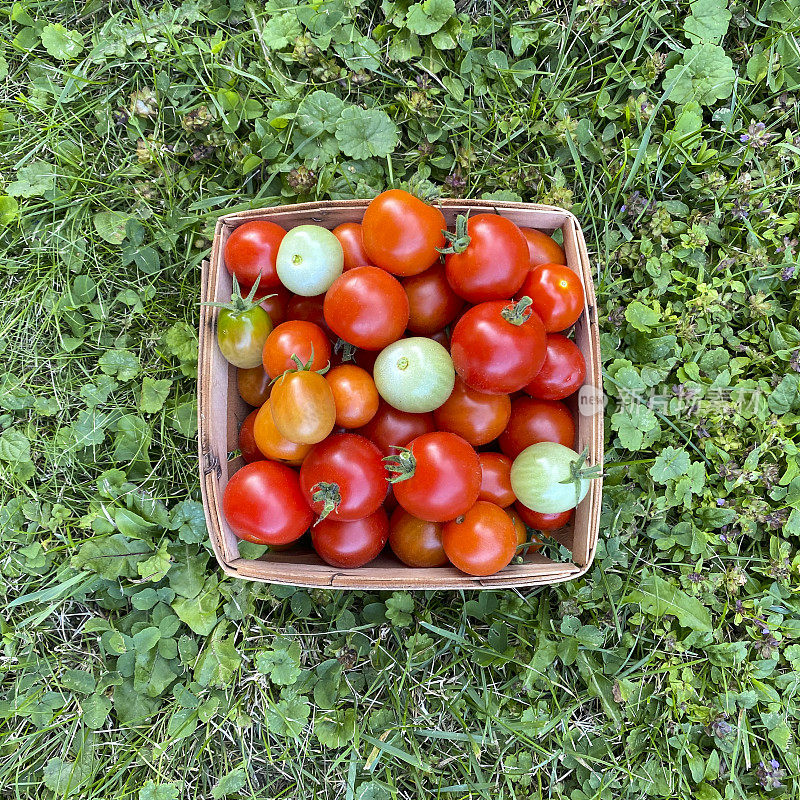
point(536, 476)
point(414, 375)
point(309, 260)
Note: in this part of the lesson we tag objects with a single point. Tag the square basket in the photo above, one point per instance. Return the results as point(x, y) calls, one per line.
point(221, 412)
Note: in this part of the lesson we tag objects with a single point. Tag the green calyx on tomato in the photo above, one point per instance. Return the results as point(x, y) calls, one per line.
point(459, 241)
point(578, 473)
point(402, 465)
point(518, 312)
point(329, 495)
point(301, 367)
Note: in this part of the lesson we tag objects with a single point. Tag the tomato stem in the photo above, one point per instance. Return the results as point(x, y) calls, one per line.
point(459, 241)
point(301, 367)
point(578, 473)
point(329, 495)
point(347, 350)
point(402, 464)
point(519, 312)
point(239, 304)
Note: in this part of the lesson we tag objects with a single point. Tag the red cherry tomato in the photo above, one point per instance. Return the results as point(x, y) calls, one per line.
point(496, 479)
point(493, 264)
point(563, 370)
point(251, 251)
point(247, 440)
point(557, 294)
point(346, 545)
point(391, 428)
point(432, 302)
point(274, 301)
point(443, 337)
point(415, 542)
point(263, 503)
point(438, 477)
point(543, 522)
point(351, 239)
point(253, 385)
point(477, 417)
point(309, 309)
point(535, 421)
point(299, 338)
point(401, 233)
point(498, 347)
point(482, 541)
point(343, 477)
point(367, 307)
point(543, 249)
point(354, 394)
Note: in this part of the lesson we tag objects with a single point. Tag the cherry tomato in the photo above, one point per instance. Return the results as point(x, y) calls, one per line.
point(550, 478)
point(415, 542)
point(481, 541)
point(263, 503)
point(367, 307)
point(442, 337)
point(543, 522)
point(309, 260)
point(274, 446)
point(354, 394)
point(346, 545)
point(437, 477)
point(241, 335)
point(401, 233)
point(309, 309)
point(519, 526)
point(253, 385)
point(535, 421)
point(274, 303)
point(247, 440)
point(557, 294)
point(490, 261)
point(299, 338)
point(251, 251)
point(432, 302)
point(302, 406)
point(543, 249)
point(477, 417)
point(496, 479)
point(391, 428)
point(498, 347)
point(563, 370)
point(351, 239)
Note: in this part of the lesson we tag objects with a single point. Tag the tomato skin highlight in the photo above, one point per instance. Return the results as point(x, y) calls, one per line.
point(401, 233)
point(446, 478)
point(535, 421)
point(347, 545)
point(495, 262)
point(477, 417)
point(557, 294)
point(247, 439)
point(496, 479)
point(482, 541)
point(354, 465)
point(543, 249)
point(303, 407)
point(391, 428)
point(295, 337)
point(263, 504)
point(272, 444)
point(351, 238)
point(415, 542)
point(432, 302)
point(543, 522)
point(493, 355)
point(354, 395)
point(367, 307)
point(251, 252)
point(253, 385)
point(563, 370)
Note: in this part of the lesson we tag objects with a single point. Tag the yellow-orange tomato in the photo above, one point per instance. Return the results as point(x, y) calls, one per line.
point(274, 446)
point(253, 385)
point(522, 532)
point(354, 395)
point(303, 407)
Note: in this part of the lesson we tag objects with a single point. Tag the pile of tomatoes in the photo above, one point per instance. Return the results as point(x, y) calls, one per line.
point(408, 384)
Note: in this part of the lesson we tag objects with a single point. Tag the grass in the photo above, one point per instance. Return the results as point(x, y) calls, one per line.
point(131, 668)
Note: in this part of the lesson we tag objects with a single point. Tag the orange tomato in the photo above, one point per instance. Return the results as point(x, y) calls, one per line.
point(543, 249)
point(303, 407)
point(274, 446)
point(354, 395)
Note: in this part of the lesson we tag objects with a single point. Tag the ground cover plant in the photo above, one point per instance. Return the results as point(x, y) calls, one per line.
point(131, 669)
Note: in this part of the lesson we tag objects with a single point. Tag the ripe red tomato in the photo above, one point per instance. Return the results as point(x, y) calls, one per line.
point(346, 545)
point(299, 338)
point(498, 347)
point(535, 421)
point(251, 251)
point(477, 417)
point(344, 477)
point(416, 542)
point(263, 503)
point(543, 522)
point(482, 541)
point(391, 428)
point(557, 294)
point(253, 385)
point(247, 440)
point(309, 309)
point(367, 307)
point(274, 303)
point(354, 394)
point(437, 478)
point(490, 262)
point(432, 303)
point(443, 337)
point(401, 233)
point(351, 239)
point(543, 249)
point(496, 479)
point(563, 370)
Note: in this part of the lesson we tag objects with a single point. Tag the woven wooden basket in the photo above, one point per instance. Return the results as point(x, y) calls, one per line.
point(221, 411)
